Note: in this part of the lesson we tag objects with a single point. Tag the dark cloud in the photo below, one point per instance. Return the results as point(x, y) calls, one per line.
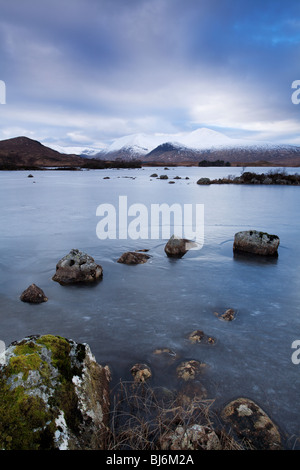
point(105, 67)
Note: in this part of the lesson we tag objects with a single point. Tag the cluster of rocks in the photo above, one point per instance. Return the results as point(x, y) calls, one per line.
point(55, 396)
point(165, 177)
point(248, 177)
point(78, 267)
point(65, 392)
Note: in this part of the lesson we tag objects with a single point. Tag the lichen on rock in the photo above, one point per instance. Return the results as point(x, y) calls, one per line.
point(252, 424)
point(77, 267)
point(256, 242)
point(53, 395)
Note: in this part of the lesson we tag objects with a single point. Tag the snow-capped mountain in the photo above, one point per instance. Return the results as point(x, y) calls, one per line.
point(140, 145)
point(194, 146)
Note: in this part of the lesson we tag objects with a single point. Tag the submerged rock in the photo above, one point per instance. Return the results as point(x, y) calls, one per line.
point(191, 392)
point(189, 370)
point(77, 267)
point(252, 424)
point(141, 372)
point(165, 351)
point(33, 295)
point(133, 257)
point(53, 395)
point(259, 243)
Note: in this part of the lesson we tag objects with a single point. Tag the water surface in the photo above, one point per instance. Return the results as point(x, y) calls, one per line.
point(136, 309)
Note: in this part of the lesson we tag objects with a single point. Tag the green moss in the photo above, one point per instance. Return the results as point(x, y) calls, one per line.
point(65, 396)
point(60, 349)
point(23, 420)
point(26, 421)
point(26, 358)
point(24, 363)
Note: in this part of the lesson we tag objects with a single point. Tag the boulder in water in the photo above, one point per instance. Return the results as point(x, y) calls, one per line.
point(77, 267)
point(259, 243)
point(33, 295)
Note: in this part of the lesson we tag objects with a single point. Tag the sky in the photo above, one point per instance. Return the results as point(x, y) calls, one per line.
point(82, 73)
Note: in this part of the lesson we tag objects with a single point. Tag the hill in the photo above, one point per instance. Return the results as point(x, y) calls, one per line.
point(24, 153)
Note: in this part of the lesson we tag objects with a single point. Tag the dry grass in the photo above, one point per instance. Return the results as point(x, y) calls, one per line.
point(142, 417)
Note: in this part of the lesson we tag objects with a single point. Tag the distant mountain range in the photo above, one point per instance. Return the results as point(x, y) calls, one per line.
point(182, 148)
point(192, 147)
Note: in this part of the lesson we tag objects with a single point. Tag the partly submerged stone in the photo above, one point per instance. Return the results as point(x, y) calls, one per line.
point(53, 395)
point(198, 336)
point(133, 257)
point(204, 181)
point(252, 424)
point(33, 295)
point(228, 315)
point(176, 247)
point(259, 243)
point(77, 267)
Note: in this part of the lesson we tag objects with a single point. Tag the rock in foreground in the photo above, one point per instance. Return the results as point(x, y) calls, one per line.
point(259, 243)
point(77, 267)
point(53, 395)
point(33, 295)
point(252, 424)
point(195, 437)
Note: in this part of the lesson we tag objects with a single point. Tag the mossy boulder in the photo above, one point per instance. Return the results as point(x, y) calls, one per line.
point(53, 395)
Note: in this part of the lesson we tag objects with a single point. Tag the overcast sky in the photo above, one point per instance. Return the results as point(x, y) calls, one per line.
point(84, 72)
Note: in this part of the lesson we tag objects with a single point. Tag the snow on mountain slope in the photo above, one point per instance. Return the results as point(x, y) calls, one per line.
point(206, 138)
point(139, 145)
point(199, 139)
